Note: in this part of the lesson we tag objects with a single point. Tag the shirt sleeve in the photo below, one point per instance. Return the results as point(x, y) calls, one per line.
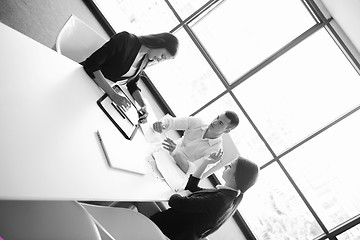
point(198, 204)
point(132, 85)
point(95, 60)
point(182, 123)
point(193, 184)
point(194, 163)
point(192, 168)
point(180, 155)
point(194, 203)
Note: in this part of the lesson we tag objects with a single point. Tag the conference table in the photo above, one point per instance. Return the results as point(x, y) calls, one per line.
point(49, 149)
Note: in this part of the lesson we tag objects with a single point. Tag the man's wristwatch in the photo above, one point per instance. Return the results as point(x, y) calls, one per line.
point(143, 109)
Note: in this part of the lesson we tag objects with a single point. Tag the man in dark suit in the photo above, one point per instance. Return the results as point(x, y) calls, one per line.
point(199, 212)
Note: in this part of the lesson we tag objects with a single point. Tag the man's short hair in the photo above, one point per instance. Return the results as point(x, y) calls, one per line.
point(234, 119)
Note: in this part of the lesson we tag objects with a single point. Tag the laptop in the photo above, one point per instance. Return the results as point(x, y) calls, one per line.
point(126, 121)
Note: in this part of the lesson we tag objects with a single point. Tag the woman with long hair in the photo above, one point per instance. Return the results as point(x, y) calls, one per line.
point(197, 214)
point(123, 58)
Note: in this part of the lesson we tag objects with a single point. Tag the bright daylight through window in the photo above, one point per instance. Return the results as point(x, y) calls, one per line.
point(297, 96)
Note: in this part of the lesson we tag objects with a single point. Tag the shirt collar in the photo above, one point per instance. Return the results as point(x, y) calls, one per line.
point(210, 141)
point(228, 188)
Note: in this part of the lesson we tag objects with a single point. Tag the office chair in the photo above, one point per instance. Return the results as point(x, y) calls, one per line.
point(43, 220)
point(77, 41)
point(122, 223)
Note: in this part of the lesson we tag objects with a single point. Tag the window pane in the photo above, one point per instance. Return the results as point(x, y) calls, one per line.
point(273, 210)
point(186, 82)
point(186, 7)
point(326, 170)
point(300, 92)
point(244, 136)
point(240, 34)
point(140, 17)
point(352, 234)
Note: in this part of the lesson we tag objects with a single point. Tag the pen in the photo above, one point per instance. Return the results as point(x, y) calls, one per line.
point(103, 146)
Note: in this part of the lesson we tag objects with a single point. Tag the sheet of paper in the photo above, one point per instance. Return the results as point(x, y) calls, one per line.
point(172, 174)
point(155, 139)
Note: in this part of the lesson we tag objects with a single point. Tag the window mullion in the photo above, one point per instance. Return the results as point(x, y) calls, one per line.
point(303, 198)
point(280, 52)
point(207, 56)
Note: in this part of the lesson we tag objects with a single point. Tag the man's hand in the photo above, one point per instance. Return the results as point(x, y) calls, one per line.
point(169, 145)
point(121, 101)
point(183, 193)
point(158, 127)
point(215, 157)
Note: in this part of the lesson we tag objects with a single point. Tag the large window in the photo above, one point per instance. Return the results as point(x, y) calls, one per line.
point(300, 92)
point(252, 33)
point(187, 82)
point(275, 63)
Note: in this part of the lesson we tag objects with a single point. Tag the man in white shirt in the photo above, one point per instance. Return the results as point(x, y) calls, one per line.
point(199, 139)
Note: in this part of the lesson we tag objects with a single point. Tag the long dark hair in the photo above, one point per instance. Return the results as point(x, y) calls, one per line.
point(246, 175)
point(161, 40)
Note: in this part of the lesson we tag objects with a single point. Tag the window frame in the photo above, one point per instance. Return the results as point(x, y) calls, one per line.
point(322, 22)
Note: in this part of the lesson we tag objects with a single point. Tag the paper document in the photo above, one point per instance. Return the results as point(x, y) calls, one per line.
point(173, 175)
point(113, 152)
point(155, 139)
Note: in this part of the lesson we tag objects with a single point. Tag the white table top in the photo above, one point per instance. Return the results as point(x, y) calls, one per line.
point(49, 116)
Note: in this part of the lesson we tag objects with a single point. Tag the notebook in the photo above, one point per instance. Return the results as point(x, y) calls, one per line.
point(112, 150)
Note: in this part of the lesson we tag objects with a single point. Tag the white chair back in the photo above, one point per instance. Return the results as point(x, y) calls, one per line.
point(44, 220)
point(77, 41)
point(124, 224)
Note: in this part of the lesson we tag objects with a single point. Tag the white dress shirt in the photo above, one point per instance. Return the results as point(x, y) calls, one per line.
point(192, 146)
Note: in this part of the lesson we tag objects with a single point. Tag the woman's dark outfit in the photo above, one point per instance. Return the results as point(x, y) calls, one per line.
point(192, 216)
point(115, 58)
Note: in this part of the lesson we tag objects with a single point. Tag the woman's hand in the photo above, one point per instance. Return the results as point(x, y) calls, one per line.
point(169, 145)
point(121, 101)
point(215, 157)
point(143, 114)
point(183, 193)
